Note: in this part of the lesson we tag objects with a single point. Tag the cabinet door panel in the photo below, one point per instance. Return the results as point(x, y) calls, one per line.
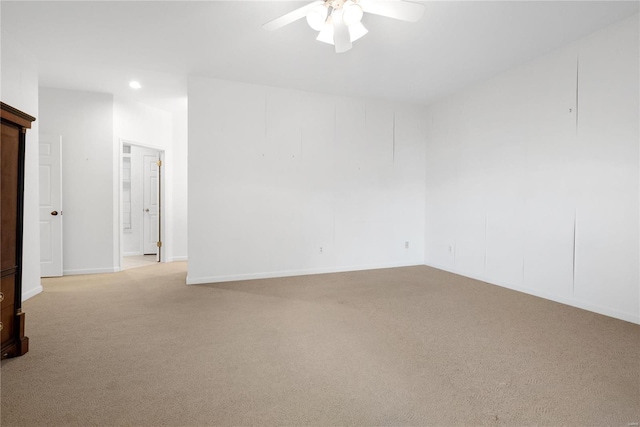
point(9, 187)
point(7, 317)
point(8, 290)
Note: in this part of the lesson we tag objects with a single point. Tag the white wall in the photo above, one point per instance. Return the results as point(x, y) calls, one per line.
point(275, 174)
point(85, 121)
point(179, 184)
point(142, 123)
point(520, 165)
point(19, 88)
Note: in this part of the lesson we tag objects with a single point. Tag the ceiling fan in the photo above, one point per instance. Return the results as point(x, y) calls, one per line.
point(339, 21)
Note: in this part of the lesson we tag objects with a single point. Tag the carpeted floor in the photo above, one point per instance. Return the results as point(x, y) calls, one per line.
point(405, 346)
point(135, 261)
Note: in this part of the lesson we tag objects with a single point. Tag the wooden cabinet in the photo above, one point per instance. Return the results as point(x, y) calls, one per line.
point(12, 147)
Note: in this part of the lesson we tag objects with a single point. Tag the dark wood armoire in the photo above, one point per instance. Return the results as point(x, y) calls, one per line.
point(14, 127)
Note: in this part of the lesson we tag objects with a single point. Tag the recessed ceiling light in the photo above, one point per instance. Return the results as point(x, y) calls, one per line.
point(135, 85)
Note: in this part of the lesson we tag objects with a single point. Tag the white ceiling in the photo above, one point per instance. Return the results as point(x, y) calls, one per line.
point(100, 46)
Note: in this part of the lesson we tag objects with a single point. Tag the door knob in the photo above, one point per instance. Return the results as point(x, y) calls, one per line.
point(146, 210)
point(54, 213)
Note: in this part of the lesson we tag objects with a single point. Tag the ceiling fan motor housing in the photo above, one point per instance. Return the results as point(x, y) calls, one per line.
point(336, 4)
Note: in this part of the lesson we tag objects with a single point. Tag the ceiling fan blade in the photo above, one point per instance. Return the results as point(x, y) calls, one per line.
point(341, 36)
point(397, 9)
point(290, 17)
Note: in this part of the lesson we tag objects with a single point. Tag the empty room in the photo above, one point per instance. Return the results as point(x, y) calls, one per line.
point(331, 212)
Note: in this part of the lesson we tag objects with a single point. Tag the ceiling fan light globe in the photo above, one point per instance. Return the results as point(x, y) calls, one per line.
point(326, 34)
point(316, 17)
point(356, 31)
point(352, 13)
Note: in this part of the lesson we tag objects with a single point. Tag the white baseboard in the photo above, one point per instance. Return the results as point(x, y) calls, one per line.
point(132, 253)
point(289, 273)
point(177, 258)
point(90, 271)
point(31, 293)
point(573, 302)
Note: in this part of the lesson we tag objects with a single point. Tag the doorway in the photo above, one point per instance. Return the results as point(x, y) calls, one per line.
point(141, 213)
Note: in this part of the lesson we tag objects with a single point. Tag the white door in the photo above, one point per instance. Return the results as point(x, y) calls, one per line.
point(150, 205)
point(50, 205)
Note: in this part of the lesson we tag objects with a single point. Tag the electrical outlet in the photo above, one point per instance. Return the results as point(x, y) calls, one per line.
point(321, 251)
point(406, 245)
point(450, 248)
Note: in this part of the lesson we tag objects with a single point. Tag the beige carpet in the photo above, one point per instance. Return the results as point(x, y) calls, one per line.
point(135, 261)
point(406, 346)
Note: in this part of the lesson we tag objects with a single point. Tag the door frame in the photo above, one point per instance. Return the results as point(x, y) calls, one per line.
point(161, 255)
